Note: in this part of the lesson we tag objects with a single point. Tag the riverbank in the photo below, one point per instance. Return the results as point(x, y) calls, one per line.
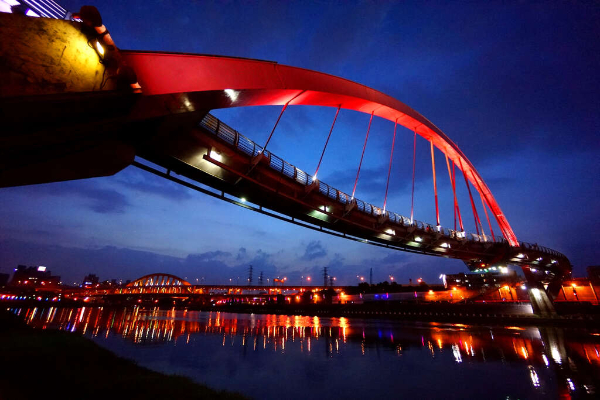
point(55, 364)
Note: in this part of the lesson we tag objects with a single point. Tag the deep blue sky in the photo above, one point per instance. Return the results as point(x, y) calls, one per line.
point(514, 85)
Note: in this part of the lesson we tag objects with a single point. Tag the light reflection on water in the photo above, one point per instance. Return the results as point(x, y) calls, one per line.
point(266, 356)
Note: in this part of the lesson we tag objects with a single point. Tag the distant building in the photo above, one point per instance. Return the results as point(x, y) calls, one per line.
point(90, 281)
point(4, 279)
point(25, 276)
point(594, 274)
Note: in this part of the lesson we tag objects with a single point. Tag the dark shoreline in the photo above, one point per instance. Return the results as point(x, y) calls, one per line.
point(56, 364)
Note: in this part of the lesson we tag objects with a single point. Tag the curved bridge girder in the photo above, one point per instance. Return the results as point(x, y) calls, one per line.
point(157, 280)
point(238, 82)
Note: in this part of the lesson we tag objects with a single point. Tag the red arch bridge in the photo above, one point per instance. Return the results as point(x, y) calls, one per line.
point(80, 132)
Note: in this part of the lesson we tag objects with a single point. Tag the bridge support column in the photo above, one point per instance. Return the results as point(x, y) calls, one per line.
point(540, 301)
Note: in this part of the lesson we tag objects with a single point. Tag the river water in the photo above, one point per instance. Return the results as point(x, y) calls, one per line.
point(301, 357)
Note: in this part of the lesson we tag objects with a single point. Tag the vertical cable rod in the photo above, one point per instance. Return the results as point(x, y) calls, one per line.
point(412, 196)
point(362, 155)
point(460, 221)
point(437, 210)
point(390, 167)
point(326, 142)
point(485, 210)
point(475, 215)
point(276, 123)
point(450, 174)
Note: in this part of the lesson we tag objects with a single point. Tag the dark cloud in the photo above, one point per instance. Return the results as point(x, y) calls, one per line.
point(313, 251)
point(210, 255)
point(96, 197)
point(242, 254)
point(143, 182)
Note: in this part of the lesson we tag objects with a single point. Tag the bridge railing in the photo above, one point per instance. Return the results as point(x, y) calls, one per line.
point(250, 148)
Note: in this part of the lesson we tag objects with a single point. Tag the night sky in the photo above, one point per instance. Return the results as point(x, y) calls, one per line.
point(514, 85)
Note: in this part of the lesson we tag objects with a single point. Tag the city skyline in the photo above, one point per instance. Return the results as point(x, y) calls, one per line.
point(475, 71)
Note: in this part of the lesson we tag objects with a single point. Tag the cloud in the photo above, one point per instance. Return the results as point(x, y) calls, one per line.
point(209, 255)
point(242, 254)
point(145, 182)
point(97, 197)
point(314, 250)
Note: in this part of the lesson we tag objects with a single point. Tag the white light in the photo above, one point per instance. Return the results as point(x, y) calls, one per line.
point(461, 234)
point(545, 360)
point(418, 239)
point(41, 268)
point(536, 293)
point(215, 156)
point(456, 352)
point(533, 270)
point(314, 178)
point(390, 231)
point(534, 377)
point(524, 287)
point(520, 255)
point(99, 48)
point(445, 245)
point(504, 270)
point(555, 354)
point(232, 94)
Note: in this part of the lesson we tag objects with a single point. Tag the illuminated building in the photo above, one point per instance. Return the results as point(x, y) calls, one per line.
point(33, 277)
point(90, 281)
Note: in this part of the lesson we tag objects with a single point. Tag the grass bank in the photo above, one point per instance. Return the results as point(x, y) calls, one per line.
point(38, 364)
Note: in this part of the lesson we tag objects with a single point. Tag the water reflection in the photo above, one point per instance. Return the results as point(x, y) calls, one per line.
point(517, 362)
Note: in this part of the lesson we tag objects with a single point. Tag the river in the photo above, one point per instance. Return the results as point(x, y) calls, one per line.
point(301, 357)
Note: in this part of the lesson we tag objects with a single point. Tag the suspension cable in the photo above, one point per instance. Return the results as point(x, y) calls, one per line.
point(437, 210)
point(327, 141)
point(362, 155)
point(277, 122)
point(485, 210)
point(390, 167)
point(412, 196)
point(475, 216)
point(460, 221)
point(453, 191)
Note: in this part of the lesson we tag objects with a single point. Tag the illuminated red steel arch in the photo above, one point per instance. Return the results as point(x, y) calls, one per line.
point(239, 82)
point(157, 280)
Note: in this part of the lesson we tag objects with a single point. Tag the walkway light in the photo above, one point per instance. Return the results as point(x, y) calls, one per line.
point(232, 94)
point(216, 156)
point(99, 49)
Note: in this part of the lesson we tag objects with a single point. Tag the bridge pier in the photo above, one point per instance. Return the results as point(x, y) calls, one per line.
point(540, 300)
